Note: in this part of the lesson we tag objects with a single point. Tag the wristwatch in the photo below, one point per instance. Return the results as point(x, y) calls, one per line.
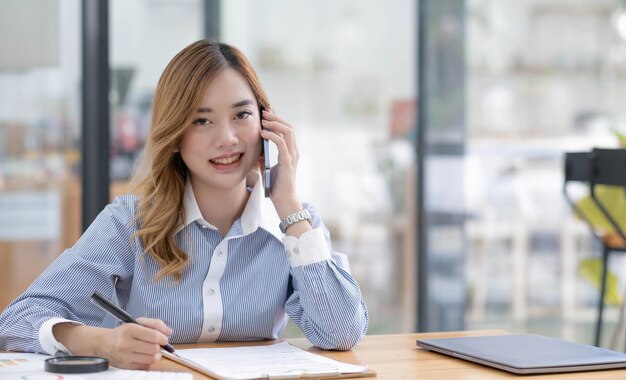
point(294, 218)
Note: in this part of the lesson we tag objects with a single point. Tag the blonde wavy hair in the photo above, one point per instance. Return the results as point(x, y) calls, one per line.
point(160, 176)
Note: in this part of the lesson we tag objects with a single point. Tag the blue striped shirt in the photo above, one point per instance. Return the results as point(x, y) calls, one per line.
point(239, 287)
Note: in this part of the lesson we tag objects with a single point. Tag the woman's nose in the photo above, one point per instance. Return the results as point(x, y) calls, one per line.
point(226, 135)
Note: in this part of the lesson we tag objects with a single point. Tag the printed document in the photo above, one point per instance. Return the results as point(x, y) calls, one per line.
point(280, 360)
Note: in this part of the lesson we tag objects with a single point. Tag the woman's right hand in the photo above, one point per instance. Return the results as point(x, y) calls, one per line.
point(129, 345)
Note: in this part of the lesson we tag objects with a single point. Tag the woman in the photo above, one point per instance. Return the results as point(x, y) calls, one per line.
point(196, 249)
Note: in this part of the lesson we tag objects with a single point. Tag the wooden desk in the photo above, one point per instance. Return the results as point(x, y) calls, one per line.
point(397, 357)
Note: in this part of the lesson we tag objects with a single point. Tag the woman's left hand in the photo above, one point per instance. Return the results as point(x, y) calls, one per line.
point(283, 175)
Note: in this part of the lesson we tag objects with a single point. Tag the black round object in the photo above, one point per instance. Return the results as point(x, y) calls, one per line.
point(76, 364)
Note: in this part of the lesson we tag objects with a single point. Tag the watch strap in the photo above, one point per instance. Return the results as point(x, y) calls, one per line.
point(294, 218)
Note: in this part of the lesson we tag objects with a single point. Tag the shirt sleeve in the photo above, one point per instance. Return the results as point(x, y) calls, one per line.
point(47, 340)
point(310, 248)
point(326, 302)
point(101, 260)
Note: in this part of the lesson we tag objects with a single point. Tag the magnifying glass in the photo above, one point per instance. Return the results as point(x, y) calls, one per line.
point(76, 364)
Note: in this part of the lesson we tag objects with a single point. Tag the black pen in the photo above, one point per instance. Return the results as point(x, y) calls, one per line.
point(118, 313)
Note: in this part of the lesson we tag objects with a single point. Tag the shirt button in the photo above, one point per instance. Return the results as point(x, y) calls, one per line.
point(220, 253)
point(211, 329)
point(211, 291)
point(296, 250)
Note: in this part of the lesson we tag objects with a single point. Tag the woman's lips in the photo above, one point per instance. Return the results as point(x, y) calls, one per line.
point(226, 163)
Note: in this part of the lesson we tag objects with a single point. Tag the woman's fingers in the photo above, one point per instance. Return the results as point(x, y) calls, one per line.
point(284, 154)
point(137, 346)
point(271, 116)
point(274, 121)
point(282, 134)
point(155, 324)
point(144, 361)
point(283, 129)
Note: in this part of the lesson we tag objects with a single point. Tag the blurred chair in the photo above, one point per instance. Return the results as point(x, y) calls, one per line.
point(599, 167)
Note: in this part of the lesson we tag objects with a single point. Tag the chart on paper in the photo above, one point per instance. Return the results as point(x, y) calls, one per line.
point(21, 363)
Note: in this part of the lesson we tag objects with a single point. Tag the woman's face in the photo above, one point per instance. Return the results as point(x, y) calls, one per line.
point(222, 145)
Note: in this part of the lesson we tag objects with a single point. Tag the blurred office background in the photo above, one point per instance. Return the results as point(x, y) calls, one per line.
point(480, 237)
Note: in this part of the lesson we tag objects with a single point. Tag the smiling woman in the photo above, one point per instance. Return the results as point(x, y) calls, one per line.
point(223, 145)
point(197, 250)
point(181, 102)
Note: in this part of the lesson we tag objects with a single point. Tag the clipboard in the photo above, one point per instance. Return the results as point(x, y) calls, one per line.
point(325, 368)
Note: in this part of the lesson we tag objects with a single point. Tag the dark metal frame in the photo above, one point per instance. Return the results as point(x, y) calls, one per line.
point(95, 109)
point(422, 120)
point(440, 134)
point(212, 19)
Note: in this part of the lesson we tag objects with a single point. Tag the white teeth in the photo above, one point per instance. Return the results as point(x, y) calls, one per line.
point(227, 160)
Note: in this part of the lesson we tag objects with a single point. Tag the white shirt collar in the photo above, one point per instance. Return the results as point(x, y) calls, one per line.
point(258, 213)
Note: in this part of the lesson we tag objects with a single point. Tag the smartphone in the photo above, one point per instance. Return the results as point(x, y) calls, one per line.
point(266, 157)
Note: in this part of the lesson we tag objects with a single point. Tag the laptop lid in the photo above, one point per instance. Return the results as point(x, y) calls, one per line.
point(527, 353)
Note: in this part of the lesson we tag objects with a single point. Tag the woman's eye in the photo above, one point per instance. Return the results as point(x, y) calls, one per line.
point(201, 121)
point(243, 114)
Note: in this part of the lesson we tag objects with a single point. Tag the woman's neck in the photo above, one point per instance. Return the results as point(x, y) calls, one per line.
point(221, 207)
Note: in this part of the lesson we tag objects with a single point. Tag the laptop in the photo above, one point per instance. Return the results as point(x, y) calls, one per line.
point(527, 353)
